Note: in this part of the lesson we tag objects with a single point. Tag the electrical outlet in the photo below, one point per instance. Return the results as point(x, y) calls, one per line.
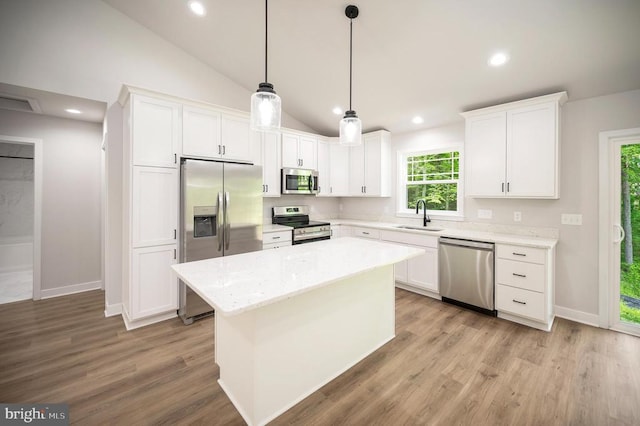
point(517, 216)
point(571, 219)
point(485, 214)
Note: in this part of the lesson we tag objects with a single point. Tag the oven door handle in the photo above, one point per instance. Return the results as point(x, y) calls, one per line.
point(312, 235)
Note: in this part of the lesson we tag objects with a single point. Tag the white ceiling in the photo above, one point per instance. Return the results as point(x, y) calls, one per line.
point(53, 104)
point(411, 57)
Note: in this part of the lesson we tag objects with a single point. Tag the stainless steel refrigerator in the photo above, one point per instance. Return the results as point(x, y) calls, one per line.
point(221, 215)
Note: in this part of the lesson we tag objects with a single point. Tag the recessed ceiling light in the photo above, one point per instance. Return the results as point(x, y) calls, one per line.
point(417, 120)
point(197, 8)
point(337, 111)
point(73, 111)
point(498, 59)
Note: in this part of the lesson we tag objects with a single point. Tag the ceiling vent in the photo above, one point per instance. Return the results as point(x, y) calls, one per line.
point(19, 104)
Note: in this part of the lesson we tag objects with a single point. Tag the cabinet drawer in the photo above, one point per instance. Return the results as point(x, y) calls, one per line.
point(275, 237)
point(520, 302)
point(528, 276)
point(520, 253)
point(268, 246)
point(366, 233)
point(409, 238)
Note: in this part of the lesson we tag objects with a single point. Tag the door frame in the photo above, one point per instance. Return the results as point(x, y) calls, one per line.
point(37, 206)
point(608, 273)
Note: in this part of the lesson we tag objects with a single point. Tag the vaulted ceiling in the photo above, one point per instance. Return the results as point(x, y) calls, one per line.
point(411, 57)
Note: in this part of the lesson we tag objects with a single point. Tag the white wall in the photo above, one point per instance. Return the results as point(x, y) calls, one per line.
point(577, 252)
point(71, 245)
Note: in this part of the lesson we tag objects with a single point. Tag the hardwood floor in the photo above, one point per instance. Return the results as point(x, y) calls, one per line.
point(445, 366)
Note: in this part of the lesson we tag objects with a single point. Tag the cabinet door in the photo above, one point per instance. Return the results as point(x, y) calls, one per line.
point(271, 170)
point(154, 288)
point(372, 166)
point(290, 150)
point(307, 151)
point(339, 171)
point(422, 271)
point(324, 170)
point(235, 140)
point(485, 155)
point(400, 271)
point(532, 151)
point(356, 170)
point(154, 206)
point(157, 131)
point(200, 132)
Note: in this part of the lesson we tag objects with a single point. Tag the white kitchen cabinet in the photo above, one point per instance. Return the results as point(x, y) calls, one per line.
point(525, 285)
point(156, 288)
point(268, 145)
point(370, 166)
point(418, 274)
point(208, 133)
point(154, 206)
point(299, 151)
point(339, 171)
point(156, 128)
point(324, 169)
point(370, 233)
point(512, 150)
point(339, 231)
point(273, 240)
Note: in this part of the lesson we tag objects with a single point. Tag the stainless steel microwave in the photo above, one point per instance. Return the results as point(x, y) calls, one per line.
point(299, 181)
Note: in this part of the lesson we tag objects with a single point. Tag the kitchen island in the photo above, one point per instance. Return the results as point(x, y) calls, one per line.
point(290, 320)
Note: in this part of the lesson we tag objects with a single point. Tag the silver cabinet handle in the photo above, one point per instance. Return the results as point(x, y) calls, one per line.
point(519, 275)
point(175, 234)
point(224, 149)
point(518, 301)
point(502, 190)
point(218, 221)
point(275, 238)
point(365, 233)
point(175, 254)
point(508, 186)
point(519, 254)
point(219, 149)
point(267, 185)
point(227, 233)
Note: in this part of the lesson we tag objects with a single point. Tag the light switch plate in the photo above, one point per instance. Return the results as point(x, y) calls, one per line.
point(571, 219)
point(517, 216)
point(485, 214)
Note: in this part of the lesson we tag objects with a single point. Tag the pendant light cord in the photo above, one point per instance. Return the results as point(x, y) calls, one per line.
point(350, 60)
point(266, 23)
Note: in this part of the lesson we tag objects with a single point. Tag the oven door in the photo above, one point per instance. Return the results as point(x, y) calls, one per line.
point(299, 181)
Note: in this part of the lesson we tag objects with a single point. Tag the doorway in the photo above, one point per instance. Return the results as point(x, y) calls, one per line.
point(20, 218)
point(620, 230)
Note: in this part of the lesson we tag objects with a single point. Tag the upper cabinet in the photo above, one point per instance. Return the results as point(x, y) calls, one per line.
point(370, 166)
point(339, 170)
point(156, 129)
point(324, 169)
point(299, 151)
point(208, 133)
point(512, 150)
point(267, 144)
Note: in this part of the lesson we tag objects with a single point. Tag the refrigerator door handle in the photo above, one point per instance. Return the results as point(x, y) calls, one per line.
point(227, 232)
point(218, 222)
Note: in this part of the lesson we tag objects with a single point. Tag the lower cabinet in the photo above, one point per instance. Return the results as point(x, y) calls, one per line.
point(339, 231)
point(422, 271)
point(273, 240)
point(156, 287)
point(525, 285)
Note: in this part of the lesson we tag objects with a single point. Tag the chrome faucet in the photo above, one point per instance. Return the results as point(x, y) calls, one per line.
point(426, 219)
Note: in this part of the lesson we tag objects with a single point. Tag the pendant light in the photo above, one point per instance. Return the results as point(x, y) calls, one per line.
point(350, 125)
point(265, 104)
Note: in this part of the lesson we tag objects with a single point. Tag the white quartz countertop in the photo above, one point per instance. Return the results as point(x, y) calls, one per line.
point(469, 234)
point(235, 284)
point(271, 227)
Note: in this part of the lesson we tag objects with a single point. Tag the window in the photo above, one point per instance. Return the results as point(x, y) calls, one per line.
point(431, 176)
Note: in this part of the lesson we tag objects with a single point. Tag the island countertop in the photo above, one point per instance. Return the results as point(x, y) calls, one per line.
point(235, 284)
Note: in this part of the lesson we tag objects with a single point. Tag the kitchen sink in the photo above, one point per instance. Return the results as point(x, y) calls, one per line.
point(419, 228)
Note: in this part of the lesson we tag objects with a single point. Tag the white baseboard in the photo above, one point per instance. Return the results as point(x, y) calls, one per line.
point(47, 293)
point(577, 316)
point(133, 324)
point(113, 310)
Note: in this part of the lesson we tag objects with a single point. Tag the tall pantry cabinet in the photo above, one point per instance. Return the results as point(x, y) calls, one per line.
point(152, 133)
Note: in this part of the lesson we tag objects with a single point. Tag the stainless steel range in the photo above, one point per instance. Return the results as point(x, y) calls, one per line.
point(304, 230)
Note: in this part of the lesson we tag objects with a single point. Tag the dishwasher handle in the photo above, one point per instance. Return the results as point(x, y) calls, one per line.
point(478, 245)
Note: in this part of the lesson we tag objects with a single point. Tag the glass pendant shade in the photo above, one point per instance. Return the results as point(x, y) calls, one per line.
point(265, 108)
point(350, 129)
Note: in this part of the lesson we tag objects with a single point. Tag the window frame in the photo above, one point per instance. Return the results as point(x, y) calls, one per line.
point(401, 176)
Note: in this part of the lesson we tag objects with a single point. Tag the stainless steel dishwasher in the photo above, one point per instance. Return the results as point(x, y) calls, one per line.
point(466, 271)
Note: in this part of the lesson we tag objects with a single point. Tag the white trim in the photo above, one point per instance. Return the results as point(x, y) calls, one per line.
point(113, 310)
point(133, 324)
point(605, 206)
point(526, 321)
point(577, 316)
point(48, 293)
point(37, 208)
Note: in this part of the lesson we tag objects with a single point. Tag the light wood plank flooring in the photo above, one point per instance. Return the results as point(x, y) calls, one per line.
point(446, 366)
